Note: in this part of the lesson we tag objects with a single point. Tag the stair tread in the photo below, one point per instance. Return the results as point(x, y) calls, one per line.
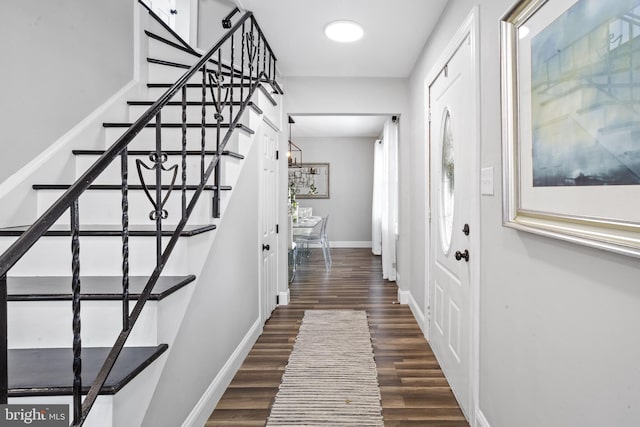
point(176, 187)
point(251, 104)
point(167, 125)
point(167, 152)
point(179, 126)
point(111, 230)
point(96, 288)
point(47, 371)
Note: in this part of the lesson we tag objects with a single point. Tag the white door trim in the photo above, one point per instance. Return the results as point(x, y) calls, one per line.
point(469, 28)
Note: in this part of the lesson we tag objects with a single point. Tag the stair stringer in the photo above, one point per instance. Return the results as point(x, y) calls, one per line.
point(221, 321)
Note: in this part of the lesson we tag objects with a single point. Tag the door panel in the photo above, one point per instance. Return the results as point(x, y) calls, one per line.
point(451, 189)
point(268, 215)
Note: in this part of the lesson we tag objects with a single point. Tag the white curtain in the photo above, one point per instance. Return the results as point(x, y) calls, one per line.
point(376, 211)
point(385, 199)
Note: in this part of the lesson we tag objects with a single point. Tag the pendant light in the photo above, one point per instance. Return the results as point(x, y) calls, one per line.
point(294, 155)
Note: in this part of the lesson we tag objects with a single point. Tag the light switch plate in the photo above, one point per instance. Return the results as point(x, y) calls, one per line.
point(486, 181)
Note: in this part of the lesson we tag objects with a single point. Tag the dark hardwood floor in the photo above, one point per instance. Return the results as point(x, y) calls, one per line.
point(413, 388)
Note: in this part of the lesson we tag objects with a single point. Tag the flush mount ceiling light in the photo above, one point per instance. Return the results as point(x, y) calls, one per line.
point(344, 31)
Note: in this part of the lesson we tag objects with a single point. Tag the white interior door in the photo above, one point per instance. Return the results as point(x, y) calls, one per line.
point(451, 229)
point(164, 8)
point(268, 216)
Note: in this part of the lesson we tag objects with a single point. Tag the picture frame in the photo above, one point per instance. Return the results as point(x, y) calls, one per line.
point(571, 121)
point(310, 180)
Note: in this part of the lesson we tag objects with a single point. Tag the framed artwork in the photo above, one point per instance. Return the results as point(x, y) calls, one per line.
point(570, 77)
point(310, 180)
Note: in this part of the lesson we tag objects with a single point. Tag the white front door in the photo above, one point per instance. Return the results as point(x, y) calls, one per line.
point(452, 230)
point(268, 216)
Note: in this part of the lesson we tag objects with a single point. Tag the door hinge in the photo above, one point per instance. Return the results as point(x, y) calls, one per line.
point(277, 228)
point(277, 154)
point(429, 115)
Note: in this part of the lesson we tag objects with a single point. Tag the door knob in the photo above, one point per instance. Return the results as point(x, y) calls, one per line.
point(265, 247)
point(465, 229)
point(461, 255)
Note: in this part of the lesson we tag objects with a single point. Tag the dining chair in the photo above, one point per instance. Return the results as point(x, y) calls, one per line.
point(321, 237)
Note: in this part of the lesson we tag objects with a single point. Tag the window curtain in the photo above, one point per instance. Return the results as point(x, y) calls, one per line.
point(376, 211)
point(385, 199)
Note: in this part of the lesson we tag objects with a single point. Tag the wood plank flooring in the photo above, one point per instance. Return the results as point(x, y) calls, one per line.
point(413, 388)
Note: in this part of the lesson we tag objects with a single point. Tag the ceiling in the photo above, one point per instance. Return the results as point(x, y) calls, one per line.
point(395, 32)
point(342, 126)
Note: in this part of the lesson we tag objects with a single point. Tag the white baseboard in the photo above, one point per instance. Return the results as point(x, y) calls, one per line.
point(481, 420)
point(284, 297)
point(348, 244)
point(405, 297)
point(207, 403)
point(344, 244)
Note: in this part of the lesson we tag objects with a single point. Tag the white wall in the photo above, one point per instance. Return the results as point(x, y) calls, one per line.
point(222, 310)
point(210, 14)
point(61, 60)
point(350, 185)
point(559, 322)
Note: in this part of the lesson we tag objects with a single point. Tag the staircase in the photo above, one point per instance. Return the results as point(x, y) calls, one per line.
point(123, 244)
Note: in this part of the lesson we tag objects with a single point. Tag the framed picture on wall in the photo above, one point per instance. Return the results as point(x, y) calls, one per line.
point(570, 77)
point(310, 180)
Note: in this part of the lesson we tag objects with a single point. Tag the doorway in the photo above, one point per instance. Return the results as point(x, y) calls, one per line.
point(268, 220)
point(453, 238)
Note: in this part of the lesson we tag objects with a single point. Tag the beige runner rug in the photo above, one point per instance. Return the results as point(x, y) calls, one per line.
point(331, 377)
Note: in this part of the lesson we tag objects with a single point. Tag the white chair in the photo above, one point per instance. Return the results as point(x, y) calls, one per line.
point(317, 235)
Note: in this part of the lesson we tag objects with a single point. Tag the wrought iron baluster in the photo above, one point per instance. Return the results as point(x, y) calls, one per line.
point(252, 53)
point(160, 212)
point(242, 64)
point(258, 57)
point(184, 151)
point(124, 171)
point(4, 362)
point(233, 71)
point(204, 120)
point(264, 56)
point(220, 108)
point(75, 287)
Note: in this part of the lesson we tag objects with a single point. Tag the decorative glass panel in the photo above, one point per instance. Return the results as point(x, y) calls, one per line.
point(447, 183)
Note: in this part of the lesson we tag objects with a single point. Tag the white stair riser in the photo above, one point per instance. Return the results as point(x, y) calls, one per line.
point(99, 256)
point(154, 27)
point(47, 324)
point(105, 207)
point(158, 73)
point(160, 50)
point(111, 175)
point(171, 138)
point(173, 113)
point(194, 93)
